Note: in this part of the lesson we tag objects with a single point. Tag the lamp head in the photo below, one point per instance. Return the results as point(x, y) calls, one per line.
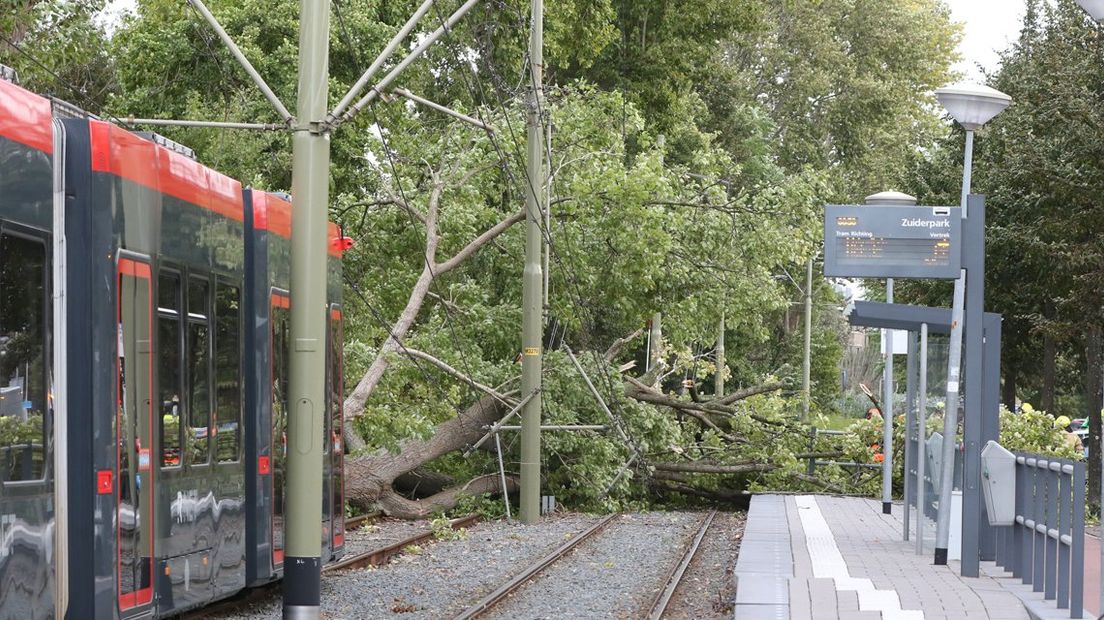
point(1095, 8)
point(891, 199)
point(973, 105)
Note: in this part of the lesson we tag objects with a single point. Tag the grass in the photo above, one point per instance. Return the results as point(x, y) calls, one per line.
point(839, 422)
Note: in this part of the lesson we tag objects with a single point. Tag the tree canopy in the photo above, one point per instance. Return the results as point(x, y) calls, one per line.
point(692, 145)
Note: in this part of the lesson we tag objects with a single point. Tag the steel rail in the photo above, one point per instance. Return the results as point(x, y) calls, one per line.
point(531, 571)
point(352, 523)
point(376, 557)
point(674, 578)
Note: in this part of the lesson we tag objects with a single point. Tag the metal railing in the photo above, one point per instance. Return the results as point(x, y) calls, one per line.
point(1045, 547)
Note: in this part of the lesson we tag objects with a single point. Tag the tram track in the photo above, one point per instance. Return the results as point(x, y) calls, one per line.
point(678, 571)
point(382, 555)
point(531, 571)
point(657, 607)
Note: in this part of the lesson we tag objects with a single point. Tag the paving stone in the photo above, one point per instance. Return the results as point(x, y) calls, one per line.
point(880, 570)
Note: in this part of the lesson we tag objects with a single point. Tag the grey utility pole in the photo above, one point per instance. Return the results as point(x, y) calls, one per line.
point(532, 297)
point(310, 180)
point(718, 379)
point(807, 358)
point(310, 183)
point(655, 341)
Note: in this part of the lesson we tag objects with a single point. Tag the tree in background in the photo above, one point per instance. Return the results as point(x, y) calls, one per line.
point(691, 149)
point(1039, 164)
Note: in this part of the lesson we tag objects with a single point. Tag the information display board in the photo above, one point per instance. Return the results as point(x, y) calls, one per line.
point(892, 242)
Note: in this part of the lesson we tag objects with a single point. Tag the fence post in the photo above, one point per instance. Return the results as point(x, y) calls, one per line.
point(1025, 543)
point(1051, 475)
point(810, 464)
point(1037, 547)
point(1065, 509)
point(1077, 583)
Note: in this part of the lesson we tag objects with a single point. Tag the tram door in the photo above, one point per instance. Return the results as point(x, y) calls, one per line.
point(133, 436)
point(337, 394)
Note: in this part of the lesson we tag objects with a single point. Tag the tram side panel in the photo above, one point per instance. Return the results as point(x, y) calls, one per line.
point(26, 425)
point(270, 309)
point(159, 266)
point(261, 457)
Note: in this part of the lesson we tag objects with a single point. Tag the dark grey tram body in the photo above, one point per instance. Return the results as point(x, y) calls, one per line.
point(268, 306)
point(136, 460)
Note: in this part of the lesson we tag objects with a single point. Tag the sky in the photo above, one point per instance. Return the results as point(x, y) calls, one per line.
point(989, 26)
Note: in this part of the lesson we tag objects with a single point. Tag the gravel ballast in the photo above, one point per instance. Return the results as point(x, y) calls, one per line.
point(616, 574)
point(439, 580)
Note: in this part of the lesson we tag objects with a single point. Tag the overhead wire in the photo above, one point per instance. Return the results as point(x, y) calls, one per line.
point(468, 367)
point(568, 274)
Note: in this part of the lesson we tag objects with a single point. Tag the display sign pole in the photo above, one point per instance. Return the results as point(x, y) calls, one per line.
point(887, 414)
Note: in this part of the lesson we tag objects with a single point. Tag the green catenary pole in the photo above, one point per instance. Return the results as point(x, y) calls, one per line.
point(807, 357)
point(531, 293)
point(310, 179)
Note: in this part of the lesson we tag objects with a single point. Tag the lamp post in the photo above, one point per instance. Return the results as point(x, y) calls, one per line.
point(972, 105)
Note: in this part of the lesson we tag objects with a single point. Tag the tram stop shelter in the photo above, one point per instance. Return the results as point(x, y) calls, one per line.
point(976, 539)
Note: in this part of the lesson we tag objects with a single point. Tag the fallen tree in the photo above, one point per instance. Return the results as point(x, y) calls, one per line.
point(398, 483)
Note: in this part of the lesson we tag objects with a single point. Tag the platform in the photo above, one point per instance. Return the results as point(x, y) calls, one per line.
point(825, 558)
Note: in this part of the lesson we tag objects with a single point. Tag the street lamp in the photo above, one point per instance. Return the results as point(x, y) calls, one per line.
point(972, 105)
point(1094, 8)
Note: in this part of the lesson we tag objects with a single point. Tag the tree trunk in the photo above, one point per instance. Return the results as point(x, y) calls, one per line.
point(394, 505)
point(1050, 352)
point(706, 467)
point(1008, 388)
point(1093, 400)
point(369, 478)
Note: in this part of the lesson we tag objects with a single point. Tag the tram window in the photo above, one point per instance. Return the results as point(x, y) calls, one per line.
point(23, 389)
point(199, 373)
point(169, 367)
point(228, 371)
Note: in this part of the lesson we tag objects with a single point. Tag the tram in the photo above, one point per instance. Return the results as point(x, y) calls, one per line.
point(143, 372)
